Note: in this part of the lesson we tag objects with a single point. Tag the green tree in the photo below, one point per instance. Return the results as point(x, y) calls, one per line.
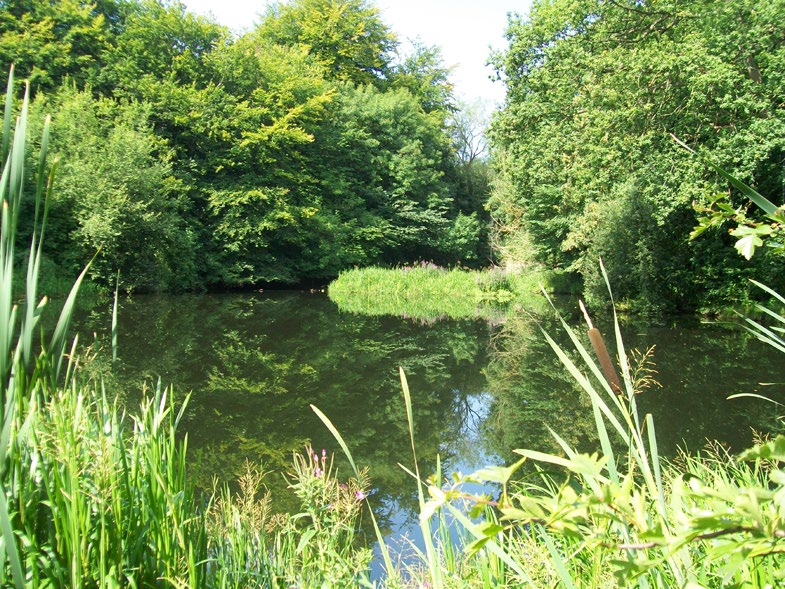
point(424, 74)
point(252, 142)
point(289, 154)
point(346, 36)
point(584, 144)
point(160, 41)
point(391, 159)
point(49, 41)
point(468, 128)
point(116, 196)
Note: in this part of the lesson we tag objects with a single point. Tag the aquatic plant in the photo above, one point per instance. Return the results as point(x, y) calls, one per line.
point(708, 520)
point(426, 292)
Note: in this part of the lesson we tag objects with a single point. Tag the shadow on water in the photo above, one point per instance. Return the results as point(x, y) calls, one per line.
point(254, 364)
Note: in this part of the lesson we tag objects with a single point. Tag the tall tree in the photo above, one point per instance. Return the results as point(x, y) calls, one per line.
point(347, 36)
point(160, 41)
point(288, 154)
point(584, 145)
point(425, 75)
point(49, 41)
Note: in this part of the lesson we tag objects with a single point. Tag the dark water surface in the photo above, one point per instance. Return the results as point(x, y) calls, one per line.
point(256, 362)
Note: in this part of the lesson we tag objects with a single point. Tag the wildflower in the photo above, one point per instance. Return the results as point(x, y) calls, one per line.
point(360, 495)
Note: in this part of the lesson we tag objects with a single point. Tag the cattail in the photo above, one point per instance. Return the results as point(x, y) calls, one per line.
point(595, 337)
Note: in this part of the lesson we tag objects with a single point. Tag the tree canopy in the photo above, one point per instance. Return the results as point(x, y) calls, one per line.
point(192, 158)
point(585, 150)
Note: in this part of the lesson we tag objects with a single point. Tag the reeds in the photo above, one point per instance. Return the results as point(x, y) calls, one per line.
point(426, 292)
point(623, 518)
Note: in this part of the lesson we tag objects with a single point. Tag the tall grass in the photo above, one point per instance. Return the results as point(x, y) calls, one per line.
point(626, 519)
point(426, 292)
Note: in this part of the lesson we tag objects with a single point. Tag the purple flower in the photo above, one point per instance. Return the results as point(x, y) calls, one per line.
point(360, 495)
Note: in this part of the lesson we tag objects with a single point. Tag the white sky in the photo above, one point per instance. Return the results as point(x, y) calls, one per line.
point(466, 30)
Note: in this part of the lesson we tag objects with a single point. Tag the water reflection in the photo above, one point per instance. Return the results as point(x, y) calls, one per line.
point(698, 365)
point(255, 362)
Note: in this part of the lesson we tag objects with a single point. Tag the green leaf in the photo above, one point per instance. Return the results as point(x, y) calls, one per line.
point(751, 238)
point(773, 450)
point(584, 464)
point(496, 474)
point(746, 245)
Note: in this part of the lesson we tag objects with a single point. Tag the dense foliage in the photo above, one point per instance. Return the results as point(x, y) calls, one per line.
point(588, 165)
point(198, 159)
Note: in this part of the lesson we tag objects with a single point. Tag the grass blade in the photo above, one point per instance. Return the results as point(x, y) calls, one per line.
point(9, 539)
point(8, 113)
point(556, 559)
point(114, 325)
point(432, 556)
point(57, 345)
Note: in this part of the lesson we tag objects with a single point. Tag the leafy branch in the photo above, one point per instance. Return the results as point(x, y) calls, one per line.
point(751, 233)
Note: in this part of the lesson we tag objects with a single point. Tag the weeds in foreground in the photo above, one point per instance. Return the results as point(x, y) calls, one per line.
point(615, 519)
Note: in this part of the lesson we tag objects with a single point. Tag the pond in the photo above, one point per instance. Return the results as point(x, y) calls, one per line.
point(254, 363)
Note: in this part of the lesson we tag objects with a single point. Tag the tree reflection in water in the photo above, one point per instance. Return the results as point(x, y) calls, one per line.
point(255, 362)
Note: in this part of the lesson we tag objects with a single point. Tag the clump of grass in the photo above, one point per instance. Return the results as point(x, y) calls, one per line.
point(426, 292)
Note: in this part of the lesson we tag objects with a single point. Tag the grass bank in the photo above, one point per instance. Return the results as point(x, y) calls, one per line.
point(427, 292)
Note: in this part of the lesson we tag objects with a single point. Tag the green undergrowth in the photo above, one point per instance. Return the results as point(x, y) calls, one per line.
point(427, 292)
point(622, 516)
point(55, 284)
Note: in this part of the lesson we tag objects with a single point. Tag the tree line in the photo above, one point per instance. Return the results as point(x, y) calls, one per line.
point(189, 157)
point(193, 158)
point(587, 163)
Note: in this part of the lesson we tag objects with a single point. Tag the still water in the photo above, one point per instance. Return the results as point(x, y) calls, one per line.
point(255, 363)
